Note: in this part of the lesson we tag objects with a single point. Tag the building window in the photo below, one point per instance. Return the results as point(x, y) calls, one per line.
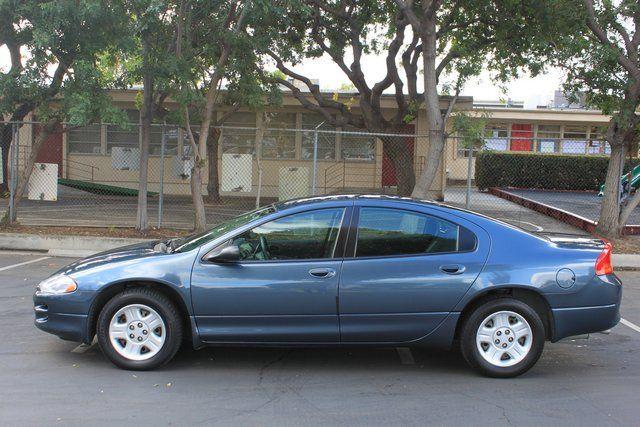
point(171, 142)
point(358, 146)
point(496, 136)
point(326, 141)
point(597, 143)
point(279, 140)
point(84, 140)
point(239, 141)
point(126, 135)
point(549, 138)
point(574, 139)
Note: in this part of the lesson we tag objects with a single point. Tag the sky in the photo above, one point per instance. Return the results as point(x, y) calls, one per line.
point(531, 91)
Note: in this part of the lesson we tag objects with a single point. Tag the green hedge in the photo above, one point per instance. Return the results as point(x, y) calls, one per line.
point(545, 171)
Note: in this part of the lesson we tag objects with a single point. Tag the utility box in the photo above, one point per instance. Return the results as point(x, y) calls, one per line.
point(182, 166)
point(43, 183)
point(237, 173)
point(125, 158)
point(294, 182)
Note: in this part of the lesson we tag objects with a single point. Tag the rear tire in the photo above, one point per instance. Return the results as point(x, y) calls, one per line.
point(139, 329)
point(502, 338)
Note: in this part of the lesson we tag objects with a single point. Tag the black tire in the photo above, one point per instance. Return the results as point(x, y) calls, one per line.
point(152, 299)
point(470, 350)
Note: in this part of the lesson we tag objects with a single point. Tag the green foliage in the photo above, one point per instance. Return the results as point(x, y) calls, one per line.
point(470, 129)
point(542, 171)
point(55, 47)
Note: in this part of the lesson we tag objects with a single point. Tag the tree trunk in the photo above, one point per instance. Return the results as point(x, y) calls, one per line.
point(142, 217)
point(6, 136)
point(398, 152)
point(23, 179)
point(435, 121)
point(609, 221)
point(213, 187)
point(199, 217)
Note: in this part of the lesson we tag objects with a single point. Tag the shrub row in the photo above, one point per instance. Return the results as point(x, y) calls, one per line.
point(544, 171)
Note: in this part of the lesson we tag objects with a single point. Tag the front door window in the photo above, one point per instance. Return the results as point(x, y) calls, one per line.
point(306, 235)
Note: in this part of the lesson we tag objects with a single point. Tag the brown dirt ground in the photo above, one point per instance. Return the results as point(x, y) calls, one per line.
point(152, 233)
point(627, 245)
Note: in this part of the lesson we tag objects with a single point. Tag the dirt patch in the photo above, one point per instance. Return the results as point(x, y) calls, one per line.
point(153, 233)
point(627, 245)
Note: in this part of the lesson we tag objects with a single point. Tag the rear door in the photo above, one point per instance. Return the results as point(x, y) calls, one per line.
point(406, 271)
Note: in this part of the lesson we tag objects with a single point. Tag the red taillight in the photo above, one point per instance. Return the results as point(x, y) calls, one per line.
point(603, 263)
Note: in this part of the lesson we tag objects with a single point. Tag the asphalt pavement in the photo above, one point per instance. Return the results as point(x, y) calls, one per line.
point(47, 381)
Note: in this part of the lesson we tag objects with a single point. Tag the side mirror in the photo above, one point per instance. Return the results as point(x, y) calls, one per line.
point(228, 254)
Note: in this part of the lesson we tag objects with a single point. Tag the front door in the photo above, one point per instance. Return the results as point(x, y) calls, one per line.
point(391, 147)
point(408, 271)
point(521, 137)
point(284, 288)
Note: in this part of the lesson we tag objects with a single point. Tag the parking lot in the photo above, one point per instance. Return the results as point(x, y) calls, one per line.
point(47, 381)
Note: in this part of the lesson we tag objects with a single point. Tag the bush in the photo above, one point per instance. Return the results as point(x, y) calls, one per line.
point(544, 171)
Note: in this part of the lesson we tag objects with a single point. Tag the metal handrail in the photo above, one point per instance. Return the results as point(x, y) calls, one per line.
point(72, 163)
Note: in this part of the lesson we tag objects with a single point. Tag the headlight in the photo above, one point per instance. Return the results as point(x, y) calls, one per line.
point(57, 285)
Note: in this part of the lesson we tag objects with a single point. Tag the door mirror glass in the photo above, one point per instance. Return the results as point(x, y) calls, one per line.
point(227, 254)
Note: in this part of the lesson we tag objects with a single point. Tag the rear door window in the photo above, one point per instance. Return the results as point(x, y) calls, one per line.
point(396, 232)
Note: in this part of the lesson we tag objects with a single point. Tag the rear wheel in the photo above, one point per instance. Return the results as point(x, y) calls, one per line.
point(502, 338)
point(139, 329)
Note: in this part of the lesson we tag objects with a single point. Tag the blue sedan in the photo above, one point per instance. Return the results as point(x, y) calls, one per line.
point(340, 270)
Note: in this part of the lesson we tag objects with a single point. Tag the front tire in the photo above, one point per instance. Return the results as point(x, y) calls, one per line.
point(502, 338)
point(139, 329)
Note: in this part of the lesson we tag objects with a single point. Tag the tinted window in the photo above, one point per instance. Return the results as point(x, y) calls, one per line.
point(384, 232)
point(306, 235)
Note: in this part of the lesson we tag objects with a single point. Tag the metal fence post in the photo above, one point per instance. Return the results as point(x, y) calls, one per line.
point(315, 159)
point(467, 203)
point(11, 166)
point(163, 143)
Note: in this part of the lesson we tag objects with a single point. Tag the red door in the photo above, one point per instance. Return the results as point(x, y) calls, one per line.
point(388, 169)
point(521, 137)
point(51, 151)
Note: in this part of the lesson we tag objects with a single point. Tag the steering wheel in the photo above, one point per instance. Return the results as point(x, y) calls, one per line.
point(264, 247)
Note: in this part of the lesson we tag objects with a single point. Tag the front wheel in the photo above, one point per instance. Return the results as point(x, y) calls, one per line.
point(502, 338)
point(139, 329)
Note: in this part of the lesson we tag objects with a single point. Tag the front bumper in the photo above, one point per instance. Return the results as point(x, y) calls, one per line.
point(68, 326)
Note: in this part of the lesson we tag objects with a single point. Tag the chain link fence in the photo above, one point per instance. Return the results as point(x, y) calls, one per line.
point(90, 176)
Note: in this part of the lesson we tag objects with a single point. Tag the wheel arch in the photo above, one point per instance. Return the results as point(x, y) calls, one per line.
point(526, 294)
point(109, 291)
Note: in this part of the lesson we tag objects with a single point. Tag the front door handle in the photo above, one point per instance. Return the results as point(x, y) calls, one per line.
point(453, 268)
point(323, 273)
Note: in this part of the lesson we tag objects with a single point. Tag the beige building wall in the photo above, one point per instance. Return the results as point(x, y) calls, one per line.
point(457, 163)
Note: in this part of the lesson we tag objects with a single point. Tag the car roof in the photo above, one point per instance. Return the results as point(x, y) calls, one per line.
point(288, 204)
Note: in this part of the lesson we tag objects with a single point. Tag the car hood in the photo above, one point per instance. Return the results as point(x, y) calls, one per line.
point(117, 255)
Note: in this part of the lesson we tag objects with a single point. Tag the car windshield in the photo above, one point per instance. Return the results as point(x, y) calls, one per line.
point(195, 240)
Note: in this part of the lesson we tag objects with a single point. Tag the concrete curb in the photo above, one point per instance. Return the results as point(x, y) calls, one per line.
point(626, 261)
point(82, 246)
point(70, 246)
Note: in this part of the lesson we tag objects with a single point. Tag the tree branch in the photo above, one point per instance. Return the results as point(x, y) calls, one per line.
point(601, 35)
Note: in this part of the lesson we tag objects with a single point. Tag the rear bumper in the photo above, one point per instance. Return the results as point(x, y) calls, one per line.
point(584, 320)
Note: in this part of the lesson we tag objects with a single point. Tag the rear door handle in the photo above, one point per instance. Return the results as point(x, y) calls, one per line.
point(323, 273)
point(453, 268)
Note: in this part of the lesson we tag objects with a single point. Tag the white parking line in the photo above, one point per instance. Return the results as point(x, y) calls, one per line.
point(406, 357)
point(631, 325)
point(9, 267)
